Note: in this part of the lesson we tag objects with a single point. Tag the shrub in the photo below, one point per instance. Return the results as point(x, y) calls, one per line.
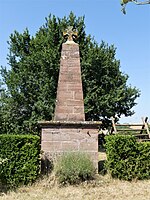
point(126, 158)
point(74, 168)
point(143, 161)
point(20, 161)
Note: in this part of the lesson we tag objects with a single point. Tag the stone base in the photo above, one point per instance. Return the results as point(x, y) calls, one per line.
point(58, 138)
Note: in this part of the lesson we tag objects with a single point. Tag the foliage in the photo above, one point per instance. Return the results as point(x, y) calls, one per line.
point(31, 82)
point(126, 158)
point(124, 2)
point(74, 168)
point(143, 161)
point(19, 162)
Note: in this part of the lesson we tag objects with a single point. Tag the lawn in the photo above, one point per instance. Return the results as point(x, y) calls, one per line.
point(104, 188)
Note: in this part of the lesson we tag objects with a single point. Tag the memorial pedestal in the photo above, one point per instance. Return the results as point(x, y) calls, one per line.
point(58, 138)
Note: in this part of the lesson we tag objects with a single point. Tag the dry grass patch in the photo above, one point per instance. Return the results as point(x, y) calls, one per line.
point(103, 188)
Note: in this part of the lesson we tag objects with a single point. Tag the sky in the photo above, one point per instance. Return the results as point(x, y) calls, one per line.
point(104, 20)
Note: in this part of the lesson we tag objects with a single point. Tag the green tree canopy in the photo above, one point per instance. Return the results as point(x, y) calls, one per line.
point(31, 82)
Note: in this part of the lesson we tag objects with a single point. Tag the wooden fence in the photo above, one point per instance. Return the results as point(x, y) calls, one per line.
point(140, 130)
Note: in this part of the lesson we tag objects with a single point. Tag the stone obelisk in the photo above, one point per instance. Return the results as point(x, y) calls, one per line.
point(69, 101)
point(69, 131)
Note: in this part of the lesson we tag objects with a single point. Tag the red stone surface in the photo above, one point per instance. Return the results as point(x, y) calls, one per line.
point(58, 138)
point(69, 101)
point(69, 131)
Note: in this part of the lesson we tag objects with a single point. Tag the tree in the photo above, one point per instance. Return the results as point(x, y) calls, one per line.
point(124, 3)
point(31, 83)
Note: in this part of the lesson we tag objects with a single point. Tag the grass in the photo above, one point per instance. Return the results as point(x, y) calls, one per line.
point(104, 187)
point(74, 168)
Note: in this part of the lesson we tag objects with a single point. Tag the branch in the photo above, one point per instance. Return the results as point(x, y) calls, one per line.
point(124, 2)
point(141, 3)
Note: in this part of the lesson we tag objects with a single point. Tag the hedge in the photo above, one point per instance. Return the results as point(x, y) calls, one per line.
point(126, 158)
point(19, 159)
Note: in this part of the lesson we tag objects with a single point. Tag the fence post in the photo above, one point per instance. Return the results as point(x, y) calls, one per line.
point(113, 124)
point(146, 125)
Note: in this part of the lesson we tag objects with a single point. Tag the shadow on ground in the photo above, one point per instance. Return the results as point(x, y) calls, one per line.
point(101, 167)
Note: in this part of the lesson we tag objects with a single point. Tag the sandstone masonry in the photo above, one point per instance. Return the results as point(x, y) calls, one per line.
point(69, 131)
point(69, 103)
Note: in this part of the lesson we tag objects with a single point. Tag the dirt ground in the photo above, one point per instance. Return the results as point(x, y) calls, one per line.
point(104, 188)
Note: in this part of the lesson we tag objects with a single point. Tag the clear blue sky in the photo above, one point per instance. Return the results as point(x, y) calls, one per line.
point(129, 33)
